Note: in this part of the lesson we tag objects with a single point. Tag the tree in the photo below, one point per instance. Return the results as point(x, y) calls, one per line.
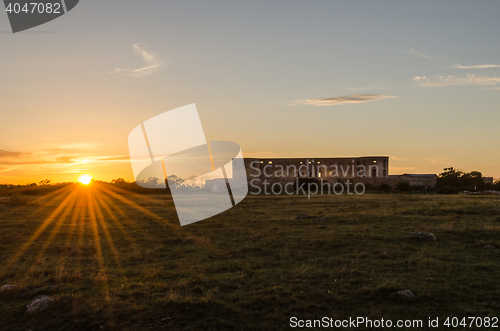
point(450, 177)
point(496, 186)
point(44, 182)
point(472, 181)
point(118, 181)
point(453, 181)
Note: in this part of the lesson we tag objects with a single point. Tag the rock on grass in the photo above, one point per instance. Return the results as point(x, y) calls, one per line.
point(404, 294)
point(422, 235)
point(8, 288)
point(9, 291)
point(39, 304)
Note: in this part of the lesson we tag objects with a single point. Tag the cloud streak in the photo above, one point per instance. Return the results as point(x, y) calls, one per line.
point(152, 64)
point(9, 154)
point(10, 158)
point(420, 54)
point(411, 51)
point(479, 66)
point(469, 79)
point(355, 98)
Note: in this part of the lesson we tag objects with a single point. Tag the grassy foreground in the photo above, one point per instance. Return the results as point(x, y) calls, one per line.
point(119, 261)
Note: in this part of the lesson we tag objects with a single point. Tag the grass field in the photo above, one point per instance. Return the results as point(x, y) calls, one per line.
point(120, 261)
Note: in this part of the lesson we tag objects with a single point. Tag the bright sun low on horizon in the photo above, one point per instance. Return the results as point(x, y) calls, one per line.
point(85, 179)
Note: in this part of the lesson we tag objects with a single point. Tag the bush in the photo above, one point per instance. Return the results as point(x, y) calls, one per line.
point(17, 199)
point(448, 190)
point(404, 187)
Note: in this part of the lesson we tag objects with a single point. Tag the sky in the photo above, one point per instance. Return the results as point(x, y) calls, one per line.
point(418, 82)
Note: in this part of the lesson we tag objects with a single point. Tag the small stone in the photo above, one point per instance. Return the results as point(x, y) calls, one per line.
point(8, 288)
point(10, 291)
point(422, 235)
point(404, 294)
point(323, 219)
point(489, 246)
point(39, 304)
point(302, 217)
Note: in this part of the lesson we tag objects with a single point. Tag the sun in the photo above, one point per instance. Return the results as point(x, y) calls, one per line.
point(85, 179)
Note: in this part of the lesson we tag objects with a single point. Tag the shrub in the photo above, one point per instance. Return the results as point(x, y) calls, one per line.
point(17, 199)
point(448, 190)
point(404, 187)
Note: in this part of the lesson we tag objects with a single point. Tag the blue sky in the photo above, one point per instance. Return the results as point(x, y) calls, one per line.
point(429, 73)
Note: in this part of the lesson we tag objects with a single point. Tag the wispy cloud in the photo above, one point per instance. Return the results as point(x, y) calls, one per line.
point(56, 158)
point(469, 79)
point(398, 158)
point(152, 64)
point(355, 98)
point(439, 160)
point(412, 51)
point(10, 154)
point(400, 169)
point(479, 66)
point(21, 167)
point(16, 158)
point(422, 55)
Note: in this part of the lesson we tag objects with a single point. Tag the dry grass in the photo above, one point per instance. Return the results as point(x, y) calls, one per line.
point(253, 267)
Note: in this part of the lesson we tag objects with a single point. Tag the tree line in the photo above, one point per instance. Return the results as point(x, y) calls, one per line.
point(453, 181)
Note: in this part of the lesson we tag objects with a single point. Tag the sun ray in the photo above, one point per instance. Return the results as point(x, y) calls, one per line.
point(81, 229)
point(74, 220)
point(139, 208)
point(137, 195)
point(126, 218)
point(57, 193)
point(104, 227)
point(158, 218)
point(106, 203)
point(40, 230)
point(97, 243)
point(46, 204)
point(54, 232)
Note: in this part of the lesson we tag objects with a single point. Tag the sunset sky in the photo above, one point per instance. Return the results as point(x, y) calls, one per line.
point(418, 82)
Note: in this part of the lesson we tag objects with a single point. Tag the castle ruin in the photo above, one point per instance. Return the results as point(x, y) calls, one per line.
point(372, 170)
